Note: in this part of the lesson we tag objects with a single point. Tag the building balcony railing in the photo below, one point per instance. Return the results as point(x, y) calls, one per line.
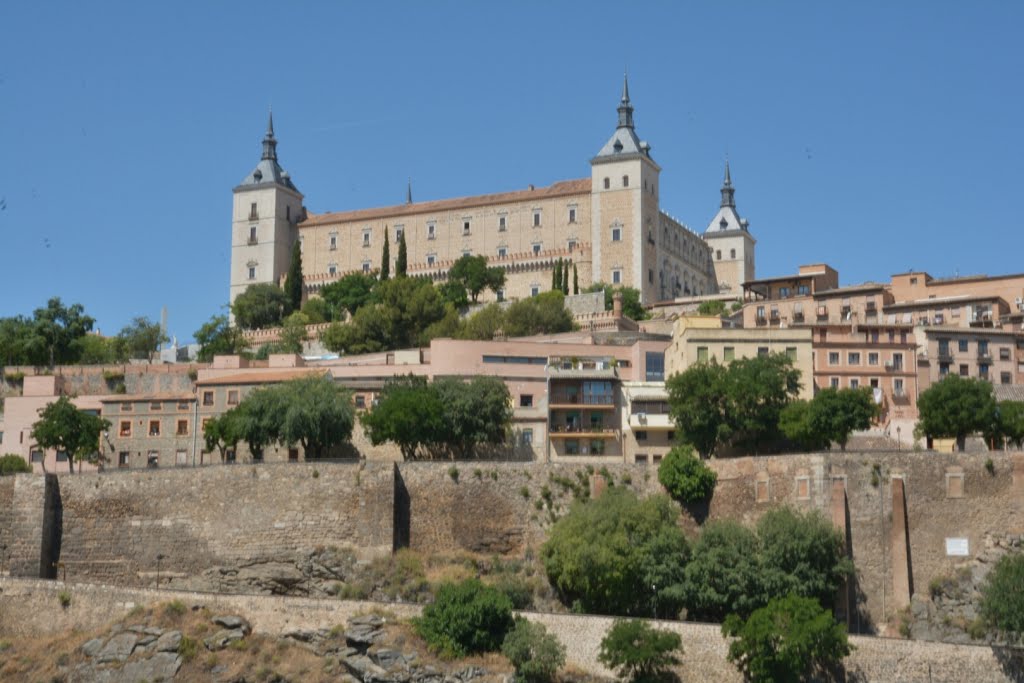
point(582, 432)
point(984, 354)
point(563, 399)
point(761, 320)
point(945, 355)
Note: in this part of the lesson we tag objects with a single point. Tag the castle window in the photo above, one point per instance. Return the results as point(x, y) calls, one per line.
point(536, 247)
point(366, 266)
point(430, 259)
point(536, 218)
point(332, 269)
point(572, 214)
point(616, 277)
point(467, 252)
point(252, 272)
point(625, 181)
point(607, 184)
point(535, 290)
point(431, 231)
point(465, 226)
point(502, 224)
point(571, 245)
point(616, 234)
point(366, 237)
point(732, 253)
point(252, 234)
point(333, 241)
point(399, 231)
point(287, 213)
point(502, 252)
point(255, 216)
point(718, 254)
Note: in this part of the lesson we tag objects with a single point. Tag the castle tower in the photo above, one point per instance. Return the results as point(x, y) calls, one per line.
point(624, 206)
point(732, 245)
point(267, 207)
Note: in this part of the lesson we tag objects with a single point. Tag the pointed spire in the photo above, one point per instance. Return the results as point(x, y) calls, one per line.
point(269, 142)
point(728, 192)
point(408, 192)
point(625, 108)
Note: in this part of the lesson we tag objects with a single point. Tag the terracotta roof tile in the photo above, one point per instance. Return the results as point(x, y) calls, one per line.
point(559, 189)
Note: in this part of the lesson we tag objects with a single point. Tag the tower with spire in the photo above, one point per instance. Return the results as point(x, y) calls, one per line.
point(624, 207)
point(267, 207)
point(731, 243)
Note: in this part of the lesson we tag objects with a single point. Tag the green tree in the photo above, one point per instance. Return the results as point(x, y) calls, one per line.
point(407, 413)
point(556, 276)
point(259, 306)
point(789, 640)
point(956, 407)
point(293, 282)
point(317, 310)
point(293, 333)
point(402, 312)
point(723, 575)
point(402, 262)
point(15, 337)
point(92, 349)
point(575, 280)
point(14, 464)
point(54, 329)
point(1010, 421)
point(218, 337)
point(473, 274)
point(796, 424)
point(698, 405)
point(484, 324)
point(685, 477)
point(477, 412)
point(318, 414)
point(454, 293)
point(541, 314)
point(350, 293)
point(837, 413)
point(1002, 595)
point(714, 307)
point(385, 258)
point(535, 653)
point(63, 427)
point(222, 432)
point(631, 306)
point(565, 278)
point(465, 618)
point(619, 555)
point(801, 553)
point(257, 420)
point(140, 339)
point(637, 651)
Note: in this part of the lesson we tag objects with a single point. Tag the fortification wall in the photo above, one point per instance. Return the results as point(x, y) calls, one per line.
point(32, 608)
point(22, 513)
point(115, 525)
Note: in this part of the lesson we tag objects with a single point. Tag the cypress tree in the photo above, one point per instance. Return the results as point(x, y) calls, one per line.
point(385, 258)
point(402, 260)
point(575, 280)
point(293, 283)
point(565, 278)
point(556, 276)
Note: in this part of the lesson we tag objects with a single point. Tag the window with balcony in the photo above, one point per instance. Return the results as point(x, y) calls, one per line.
point(431, 259)
point(943, 369)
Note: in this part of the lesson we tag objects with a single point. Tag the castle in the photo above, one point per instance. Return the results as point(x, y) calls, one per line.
point(610, 225)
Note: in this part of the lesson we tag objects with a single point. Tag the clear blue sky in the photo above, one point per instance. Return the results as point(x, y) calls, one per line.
point(874, 136)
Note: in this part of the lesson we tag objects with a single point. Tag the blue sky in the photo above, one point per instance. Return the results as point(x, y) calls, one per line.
point(874, 136)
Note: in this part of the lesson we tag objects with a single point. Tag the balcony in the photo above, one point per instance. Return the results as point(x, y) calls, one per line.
point(588, 368)
point(984, 355)
point(252, 241)
point(893, 366)
point(761, 320)
point(575, 399)
point(798, 316)
point(945, 354)
point(651, 422)
point(582, 432)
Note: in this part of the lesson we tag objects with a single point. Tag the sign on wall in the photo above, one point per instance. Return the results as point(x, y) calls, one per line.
point(957, 547)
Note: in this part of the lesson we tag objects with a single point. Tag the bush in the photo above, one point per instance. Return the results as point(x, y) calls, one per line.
point(1002, 597)
point(174, 608)
point(685, 477)
point(64, 597)
point(14, 464)
point(634, 649)
point(465, 618)
point(789, 640)
point(619, 555)
point(723, 576)
point(535, 653)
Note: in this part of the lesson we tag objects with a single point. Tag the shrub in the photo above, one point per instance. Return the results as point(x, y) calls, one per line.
point(990, 466)
point(634, 649)
point(14, 464)
point(789, 640)
point(465, 618)
point(174, 608)
point(64, 597)
point(685, 477)
point(1002, 599)
point(535, 653)
point(453, 472)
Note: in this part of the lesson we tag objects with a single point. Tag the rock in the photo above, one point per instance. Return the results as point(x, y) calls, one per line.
point(154, 631)
point(232, 623)
point(92, 647)
point(363, 668)
point(162, 666)
point(168, 642)
point(137, 628)
point(118, 648)
point(388, 658)
point(145, 640)
point(221, 639)
point(364, 631)
point(303, 635)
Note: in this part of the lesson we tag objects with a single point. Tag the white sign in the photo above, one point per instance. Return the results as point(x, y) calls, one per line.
point(957, 547)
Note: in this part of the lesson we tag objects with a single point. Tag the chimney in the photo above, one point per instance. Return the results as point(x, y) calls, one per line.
point(617, 304)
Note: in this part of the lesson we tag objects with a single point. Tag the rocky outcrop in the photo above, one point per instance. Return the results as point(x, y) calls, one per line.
point(129, 654)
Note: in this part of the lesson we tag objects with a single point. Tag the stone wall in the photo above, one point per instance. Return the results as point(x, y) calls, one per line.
point(22, 513)
point(115, 525)
point(32, 608)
